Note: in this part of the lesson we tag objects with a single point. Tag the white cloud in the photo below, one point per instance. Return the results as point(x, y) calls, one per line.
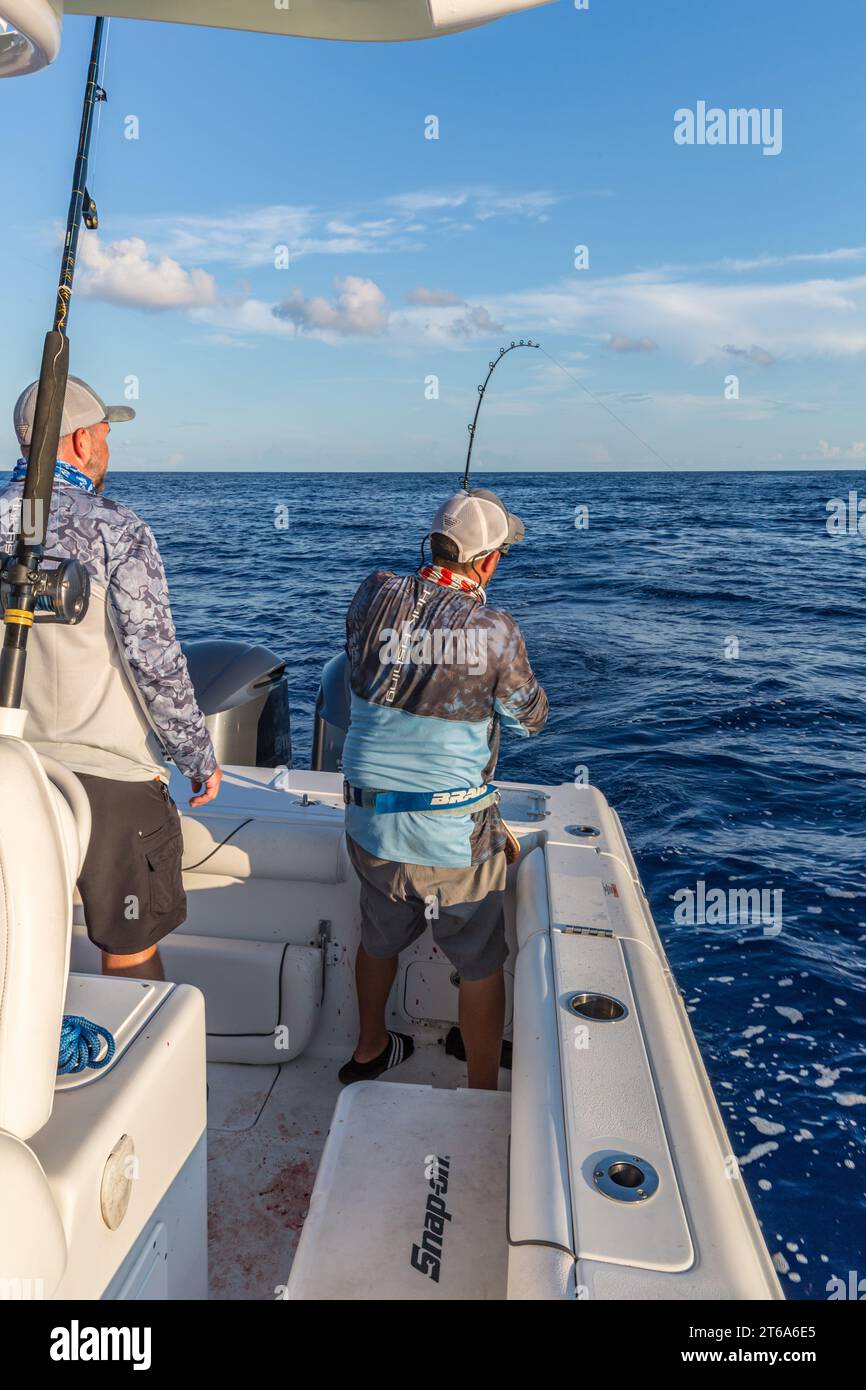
point(827, 451)
point(440, 298)
point(693, 319)
point(532, 205)
point(123, 272)
point(475, 323)
point(476, 204)
point(797, 319)
point(427, 202)
point(250, 237)
point(758, 355)
point(450, 325)
point(257, 237)
point(692, 313)
point(359, 309)
point(841, 254)
point(618, 342)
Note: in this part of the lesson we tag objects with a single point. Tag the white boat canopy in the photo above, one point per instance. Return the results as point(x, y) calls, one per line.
point(30, 29)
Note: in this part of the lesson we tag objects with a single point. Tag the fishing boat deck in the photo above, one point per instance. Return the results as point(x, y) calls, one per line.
point(267, 1128)
point(597, 1093)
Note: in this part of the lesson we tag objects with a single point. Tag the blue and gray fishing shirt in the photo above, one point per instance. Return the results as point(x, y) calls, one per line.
point(435, 673)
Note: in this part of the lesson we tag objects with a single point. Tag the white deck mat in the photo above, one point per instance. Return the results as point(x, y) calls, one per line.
point(410, 1198)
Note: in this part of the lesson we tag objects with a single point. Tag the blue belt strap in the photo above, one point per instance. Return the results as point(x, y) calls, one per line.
point(459, 801)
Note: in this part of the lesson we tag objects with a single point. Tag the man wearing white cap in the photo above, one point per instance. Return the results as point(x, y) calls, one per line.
point(111, 696)
point(435, 672)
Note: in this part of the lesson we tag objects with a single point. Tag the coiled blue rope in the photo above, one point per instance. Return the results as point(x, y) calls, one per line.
point(80, 1044)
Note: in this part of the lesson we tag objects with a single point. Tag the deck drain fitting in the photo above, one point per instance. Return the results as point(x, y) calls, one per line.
point(626, 1178)
point(600, 1008)
point(583, 831)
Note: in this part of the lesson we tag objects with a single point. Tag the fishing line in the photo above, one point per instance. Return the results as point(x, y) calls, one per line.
point(528, 343)
point(593, 397)
point(94, 160)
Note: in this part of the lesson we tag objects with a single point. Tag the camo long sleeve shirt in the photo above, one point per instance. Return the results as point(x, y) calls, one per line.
point(120, 552)
point(429, 718)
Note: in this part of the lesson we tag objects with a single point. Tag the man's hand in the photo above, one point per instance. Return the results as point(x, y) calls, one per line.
point(211, 789)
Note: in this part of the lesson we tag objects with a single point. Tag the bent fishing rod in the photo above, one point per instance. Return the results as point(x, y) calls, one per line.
point(503, 352)
point(59, 594)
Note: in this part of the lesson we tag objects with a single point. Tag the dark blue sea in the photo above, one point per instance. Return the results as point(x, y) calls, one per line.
point(703, 644)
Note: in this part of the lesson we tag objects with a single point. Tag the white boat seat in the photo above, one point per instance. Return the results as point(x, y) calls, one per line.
point(33, 1245)
point(38, 869)
point(74, 806)
point(409, 1199)
point(90, 1164)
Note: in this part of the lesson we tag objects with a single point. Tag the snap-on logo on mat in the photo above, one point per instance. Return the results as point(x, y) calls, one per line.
point(427, 1257)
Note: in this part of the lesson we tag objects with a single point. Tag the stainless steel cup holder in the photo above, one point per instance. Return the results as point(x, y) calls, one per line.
point(583, 832)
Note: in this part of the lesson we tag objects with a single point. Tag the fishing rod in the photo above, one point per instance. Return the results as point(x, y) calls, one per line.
point(59, 594)
point(503, 352)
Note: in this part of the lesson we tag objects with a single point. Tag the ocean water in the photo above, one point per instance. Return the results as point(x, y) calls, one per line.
point(703, 644)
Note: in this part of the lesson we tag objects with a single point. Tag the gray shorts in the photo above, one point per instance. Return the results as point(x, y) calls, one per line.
point(467, 915)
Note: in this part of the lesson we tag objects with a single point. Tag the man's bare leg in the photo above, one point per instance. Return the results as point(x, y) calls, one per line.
point(482, 1020)
point(145, 965)
point(374, 979)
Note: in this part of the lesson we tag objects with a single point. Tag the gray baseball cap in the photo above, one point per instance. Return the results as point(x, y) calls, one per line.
point(81, 407)
point(477, 522)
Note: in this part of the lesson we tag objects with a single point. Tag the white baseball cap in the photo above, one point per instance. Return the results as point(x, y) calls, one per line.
point(81, 407)
point(477, 522)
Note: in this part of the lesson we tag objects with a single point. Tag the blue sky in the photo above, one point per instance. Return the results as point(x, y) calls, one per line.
point(413, 258)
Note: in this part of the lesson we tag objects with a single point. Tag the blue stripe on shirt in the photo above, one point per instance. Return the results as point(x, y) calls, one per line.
point(389, 749)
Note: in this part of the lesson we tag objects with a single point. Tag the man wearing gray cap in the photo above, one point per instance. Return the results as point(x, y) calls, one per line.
point(435, 671)
point(111, 696)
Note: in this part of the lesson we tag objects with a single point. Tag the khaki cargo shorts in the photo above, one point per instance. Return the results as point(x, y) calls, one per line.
point(466, 906)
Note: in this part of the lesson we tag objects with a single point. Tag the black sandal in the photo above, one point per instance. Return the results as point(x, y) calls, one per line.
point(398, 1048)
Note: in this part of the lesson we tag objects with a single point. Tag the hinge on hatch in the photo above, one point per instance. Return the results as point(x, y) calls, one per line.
point(326, 948)
point(538, 802)
point(584, 931)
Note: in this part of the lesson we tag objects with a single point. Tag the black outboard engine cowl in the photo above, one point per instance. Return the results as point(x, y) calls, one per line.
point(243, 693)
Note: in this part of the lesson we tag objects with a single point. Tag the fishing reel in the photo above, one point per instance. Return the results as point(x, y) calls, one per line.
point(62, 594)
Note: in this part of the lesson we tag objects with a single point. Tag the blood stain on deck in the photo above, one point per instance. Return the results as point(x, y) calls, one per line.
point(288, 1196)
